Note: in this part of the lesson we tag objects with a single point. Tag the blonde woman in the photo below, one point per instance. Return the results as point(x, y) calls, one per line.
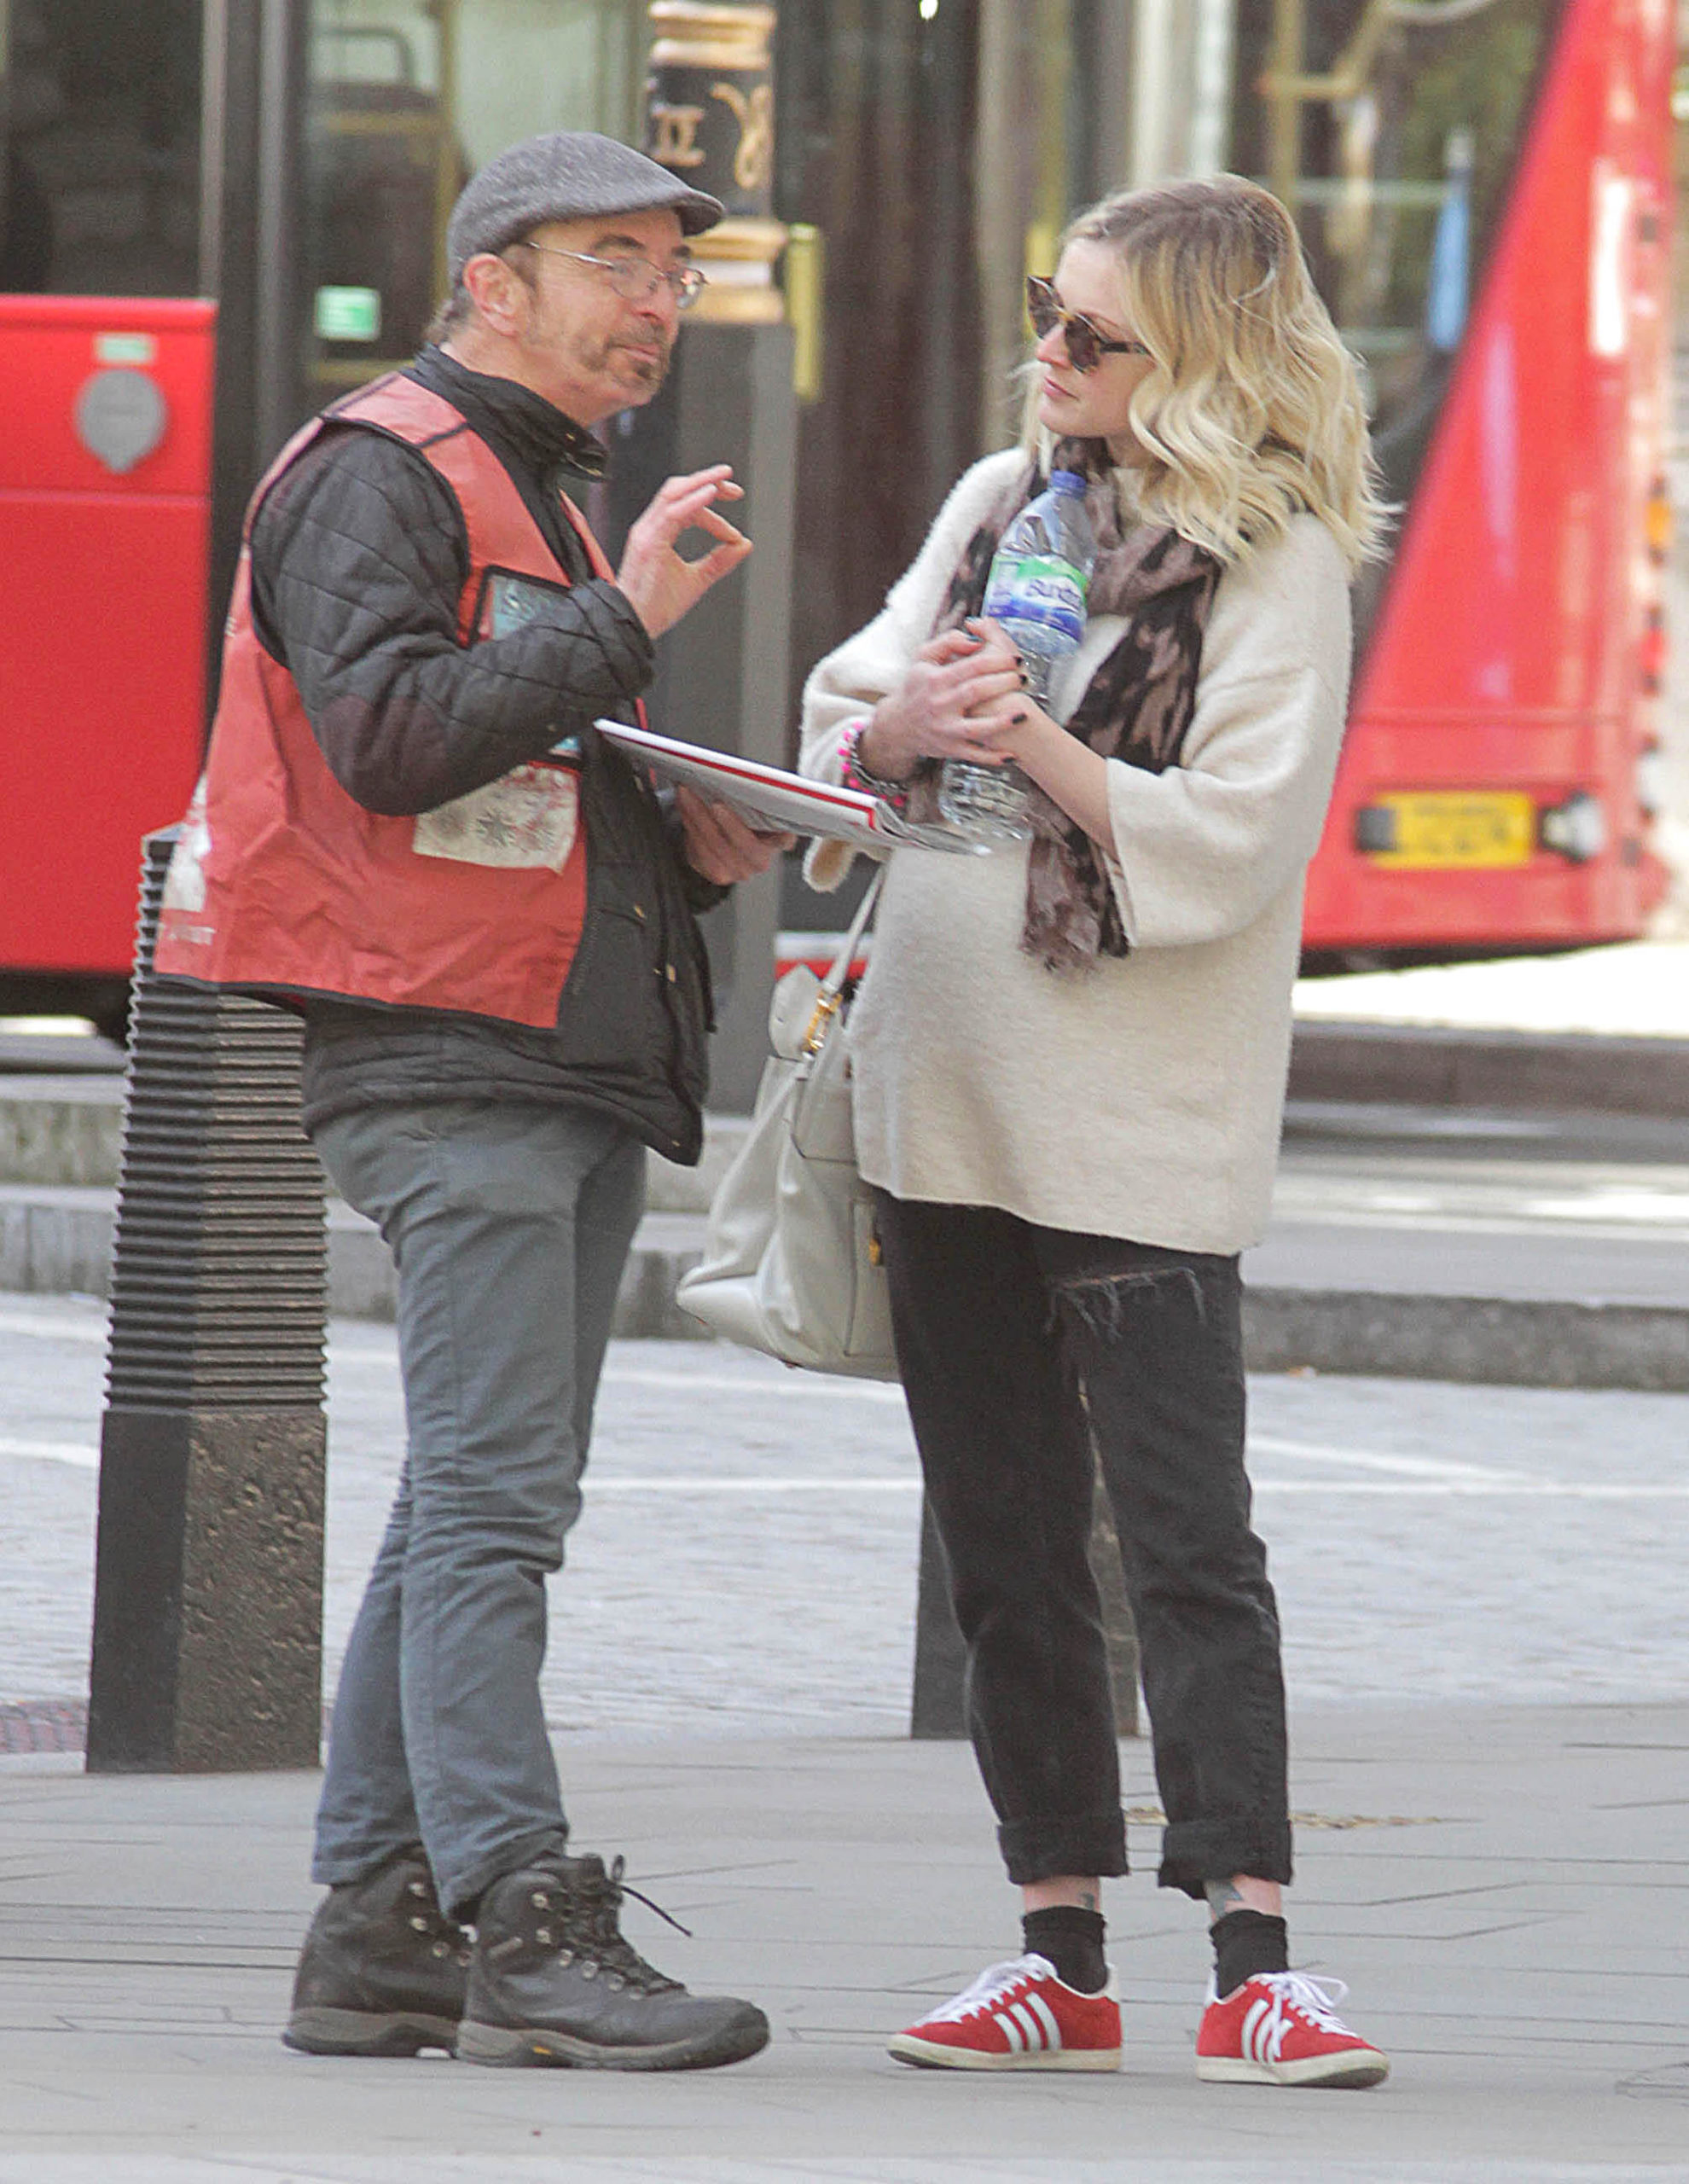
point(1070, 1064)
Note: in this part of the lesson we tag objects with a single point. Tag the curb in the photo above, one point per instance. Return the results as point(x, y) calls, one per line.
point(1501, 1341)
point(1433, 1066)
point(67, 1129)
point(58, 1242)
point(61, 1130)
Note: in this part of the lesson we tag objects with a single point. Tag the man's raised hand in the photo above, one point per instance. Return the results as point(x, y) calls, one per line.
point(660, 584)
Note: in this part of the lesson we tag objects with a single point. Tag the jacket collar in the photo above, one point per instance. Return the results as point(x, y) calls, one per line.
point(535, 431)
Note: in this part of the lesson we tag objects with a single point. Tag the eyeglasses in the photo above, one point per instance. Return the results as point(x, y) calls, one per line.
point(1087, 344)
point(634, 279)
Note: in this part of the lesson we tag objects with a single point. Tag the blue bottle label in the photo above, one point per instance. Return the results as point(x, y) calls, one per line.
point(1042, 590)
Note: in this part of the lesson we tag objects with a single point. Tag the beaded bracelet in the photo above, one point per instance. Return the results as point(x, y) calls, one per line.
point(857, 775)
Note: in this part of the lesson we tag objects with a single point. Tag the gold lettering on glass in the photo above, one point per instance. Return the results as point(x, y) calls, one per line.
point(675, 142)
point(754, 161)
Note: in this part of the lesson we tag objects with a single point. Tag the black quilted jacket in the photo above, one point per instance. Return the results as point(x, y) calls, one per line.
point(358, 559)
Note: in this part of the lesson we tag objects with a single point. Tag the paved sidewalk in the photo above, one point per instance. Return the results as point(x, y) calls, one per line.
point(1639, 989)
point(1503, 1888)
point(1540, 1266)
point(1537, 1251)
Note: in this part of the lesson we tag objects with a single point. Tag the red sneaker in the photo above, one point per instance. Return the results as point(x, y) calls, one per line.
point(1279, 2028)
point(1018, 2017)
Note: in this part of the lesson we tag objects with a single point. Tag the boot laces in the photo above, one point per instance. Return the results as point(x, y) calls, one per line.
point(590, 1903)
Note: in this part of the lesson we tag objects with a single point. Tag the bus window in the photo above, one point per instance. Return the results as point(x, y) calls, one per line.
point(1403, 167)
point(100, 193)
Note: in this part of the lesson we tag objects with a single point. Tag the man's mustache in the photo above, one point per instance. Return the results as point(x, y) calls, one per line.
point(657, 351)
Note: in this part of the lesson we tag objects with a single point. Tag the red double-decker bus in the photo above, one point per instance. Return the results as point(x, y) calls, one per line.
point(1486, 197)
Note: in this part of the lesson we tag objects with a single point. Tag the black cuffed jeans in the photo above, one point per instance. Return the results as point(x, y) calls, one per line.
point(1020, 1346)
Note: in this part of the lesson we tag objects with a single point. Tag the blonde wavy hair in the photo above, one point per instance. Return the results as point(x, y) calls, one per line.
point(1251, 411)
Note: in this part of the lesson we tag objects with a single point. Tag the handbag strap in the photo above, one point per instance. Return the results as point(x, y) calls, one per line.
point(828, 1000)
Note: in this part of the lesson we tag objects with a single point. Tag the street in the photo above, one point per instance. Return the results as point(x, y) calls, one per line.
point(745, 1562)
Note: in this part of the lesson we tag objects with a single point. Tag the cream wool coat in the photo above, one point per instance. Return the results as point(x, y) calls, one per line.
point(1142, 1098)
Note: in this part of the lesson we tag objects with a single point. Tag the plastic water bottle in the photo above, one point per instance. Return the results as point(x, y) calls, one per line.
point(1036, 593)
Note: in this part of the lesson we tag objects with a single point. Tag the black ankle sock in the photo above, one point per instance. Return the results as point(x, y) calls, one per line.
point(1246, 1942)
point(1072, 1939)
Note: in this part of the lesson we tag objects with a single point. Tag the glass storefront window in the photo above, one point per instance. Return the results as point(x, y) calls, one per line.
point(937, 153)
point(525, 66)
point(1030, 135)
point(383, 162)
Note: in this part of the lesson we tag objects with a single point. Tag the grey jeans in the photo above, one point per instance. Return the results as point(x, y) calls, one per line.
point(509, 1226)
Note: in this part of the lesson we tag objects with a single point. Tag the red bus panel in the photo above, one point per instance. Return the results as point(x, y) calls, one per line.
point(104, 498)
point(1487, 795)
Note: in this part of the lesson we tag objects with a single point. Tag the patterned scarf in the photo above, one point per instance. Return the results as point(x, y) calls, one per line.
point(1137, 707)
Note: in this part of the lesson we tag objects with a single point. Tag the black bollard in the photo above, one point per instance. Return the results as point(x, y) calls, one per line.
point(208, 1583)
point(939, 1706)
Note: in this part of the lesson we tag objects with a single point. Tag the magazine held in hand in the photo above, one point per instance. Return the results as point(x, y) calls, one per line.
point(777, 802)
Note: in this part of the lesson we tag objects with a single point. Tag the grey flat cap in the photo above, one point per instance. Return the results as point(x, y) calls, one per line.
point(571, 175)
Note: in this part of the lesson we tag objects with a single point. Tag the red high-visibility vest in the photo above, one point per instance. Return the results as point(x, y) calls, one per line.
point(280, 879)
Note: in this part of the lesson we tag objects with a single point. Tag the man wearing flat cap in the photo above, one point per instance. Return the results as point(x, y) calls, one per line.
point(411, 832)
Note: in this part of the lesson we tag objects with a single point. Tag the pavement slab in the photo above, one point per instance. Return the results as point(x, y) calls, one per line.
point(1504, 1892)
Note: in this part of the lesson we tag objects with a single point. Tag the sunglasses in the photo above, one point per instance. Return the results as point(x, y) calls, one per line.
point(1086, 345)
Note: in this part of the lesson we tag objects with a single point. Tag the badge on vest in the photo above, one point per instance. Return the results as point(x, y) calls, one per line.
point(526, 818)
point(510, 603)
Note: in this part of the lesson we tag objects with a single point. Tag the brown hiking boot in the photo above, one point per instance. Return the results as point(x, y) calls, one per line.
point(383, 1970)
point(551, 1981)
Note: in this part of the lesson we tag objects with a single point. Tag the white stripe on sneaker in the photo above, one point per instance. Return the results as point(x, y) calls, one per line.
point(1029, 2024)
point(1263, 2031)
point(1012, 2033)
point(1046, 2016)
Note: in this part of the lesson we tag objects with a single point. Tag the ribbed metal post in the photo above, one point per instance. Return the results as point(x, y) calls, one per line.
point(208, 1585)
point(938, 1707)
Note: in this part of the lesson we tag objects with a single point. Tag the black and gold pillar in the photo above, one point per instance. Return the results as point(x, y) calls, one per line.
point(722, 674)
point(710, 107)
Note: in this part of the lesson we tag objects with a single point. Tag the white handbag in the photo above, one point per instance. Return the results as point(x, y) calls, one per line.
point(790, 1264)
